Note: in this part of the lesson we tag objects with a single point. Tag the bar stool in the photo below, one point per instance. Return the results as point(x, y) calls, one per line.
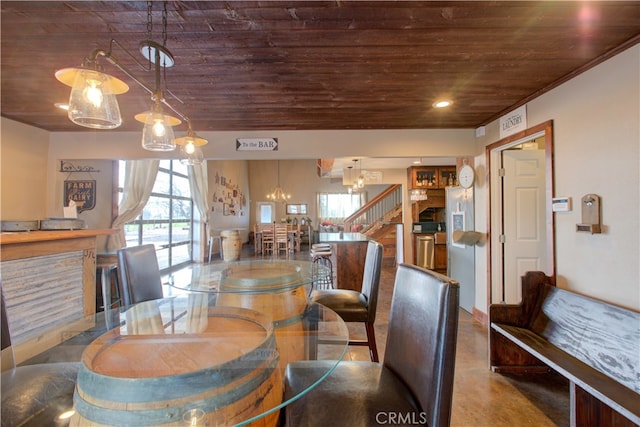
point(321, 255)
point(107, 273)
point(212, 239)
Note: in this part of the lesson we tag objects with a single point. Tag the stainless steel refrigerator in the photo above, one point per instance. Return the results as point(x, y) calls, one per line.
point(461, 257)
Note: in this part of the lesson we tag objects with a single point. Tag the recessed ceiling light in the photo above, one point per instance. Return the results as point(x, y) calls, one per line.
point(62, 106)
point(443, 103)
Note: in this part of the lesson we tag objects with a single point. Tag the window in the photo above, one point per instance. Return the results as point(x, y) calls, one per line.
point(339, 205)
point(265, 212)
point(167, 218)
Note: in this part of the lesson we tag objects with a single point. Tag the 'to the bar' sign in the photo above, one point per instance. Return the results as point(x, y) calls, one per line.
point(257, 144)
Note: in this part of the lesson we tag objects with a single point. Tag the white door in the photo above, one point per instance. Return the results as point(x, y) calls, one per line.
point(524, 213)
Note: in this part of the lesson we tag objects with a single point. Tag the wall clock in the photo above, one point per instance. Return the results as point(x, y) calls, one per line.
point(466, 176)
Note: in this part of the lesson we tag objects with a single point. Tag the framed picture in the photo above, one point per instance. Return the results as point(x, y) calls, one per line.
point(226, 209)
point(457, 224)
point(300, 209)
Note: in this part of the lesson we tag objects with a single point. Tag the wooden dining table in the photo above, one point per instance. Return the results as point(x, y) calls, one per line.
point(211, 352)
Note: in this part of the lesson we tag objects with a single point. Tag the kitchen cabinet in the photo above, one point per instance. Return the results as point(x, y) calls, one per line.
point(440, 255)
point(431, 177)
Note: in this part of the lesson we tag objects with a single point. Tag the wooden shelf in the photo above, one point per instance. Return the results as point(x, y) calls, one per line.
point(8, 238)
point(431, 177)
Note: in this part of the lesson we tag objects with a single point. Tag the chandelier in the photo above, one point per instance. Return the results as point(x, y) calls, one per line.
point(93, 103)
point(278, 195)
point(418, 194)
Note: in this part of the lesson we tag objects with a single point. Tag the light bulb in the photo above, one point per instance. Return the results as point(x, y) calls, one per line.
point(189, 147)
point(93, 93)
point(159, 128)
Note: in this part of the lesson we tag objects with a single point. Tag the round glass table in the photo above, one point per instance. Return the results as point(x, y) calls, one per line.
point(267, 275)
point(199, 359)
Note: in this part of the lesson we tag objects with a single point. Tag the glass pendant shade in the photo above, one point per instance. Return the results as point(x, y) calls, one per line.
point(191, 142)
point(93, 102)
point(192, 156)
point(190, 148)
point(157, 134)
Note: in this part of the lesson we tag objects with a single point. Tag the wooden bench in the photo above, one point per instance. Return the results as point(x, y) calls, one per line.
point(595, 345)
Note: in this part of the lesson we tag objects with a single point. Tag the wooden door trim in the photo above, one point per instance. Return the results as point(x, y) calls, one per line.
point(547, 128)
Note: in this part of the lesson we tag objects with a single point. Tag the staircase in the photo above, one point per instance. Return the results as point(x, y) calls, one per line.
point(377, 219)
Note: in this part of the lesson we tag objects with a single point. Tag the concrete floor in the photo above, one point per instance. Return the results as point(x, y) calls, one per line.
point(481, 397)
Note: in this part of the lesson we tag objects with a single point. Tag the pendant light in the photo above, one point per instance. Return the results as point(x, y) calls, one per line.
point(92, 102)
point(418, 194)
point(190, 147)
point(349, 180)
point(360, 178)
point(157, 134)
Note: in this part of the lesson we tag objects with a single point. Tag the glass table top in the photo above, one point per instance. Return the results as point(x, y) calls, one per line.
point(253, 276)
point(195, 358)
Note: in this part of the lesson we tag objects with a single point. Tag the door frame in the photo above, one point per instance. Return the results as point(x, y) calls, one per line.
point(492, 152)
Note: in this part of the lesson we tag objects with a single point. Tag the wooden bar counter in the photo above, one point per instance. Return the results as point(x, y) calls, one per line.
point(48, 279)
point(349, 253)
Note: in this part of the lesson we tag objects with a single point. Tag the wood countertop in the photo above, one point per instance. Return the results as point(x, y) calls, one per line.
point(7, 238)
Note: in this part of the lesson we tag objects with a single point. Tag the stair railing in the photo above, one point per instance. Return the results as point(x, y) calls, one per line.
point(378, 210)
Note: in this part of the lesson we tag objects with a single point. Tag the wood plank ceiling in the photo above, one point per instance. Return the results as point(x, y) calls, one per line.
point(313, 64)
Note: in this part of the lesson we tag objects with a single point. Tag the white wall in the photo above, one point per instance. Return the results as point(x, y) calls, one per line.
point(24, 152)
point(596, 123)
point(291, 144)
point(224, 178)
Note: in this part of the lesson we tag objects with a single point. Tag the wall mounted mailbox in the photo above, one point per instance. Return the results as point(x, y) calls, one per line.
point(590, 214)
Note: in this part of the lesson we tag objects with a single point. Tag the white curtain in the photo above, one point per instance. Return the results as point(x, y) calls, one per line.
point(139, 178)
point(199, 183)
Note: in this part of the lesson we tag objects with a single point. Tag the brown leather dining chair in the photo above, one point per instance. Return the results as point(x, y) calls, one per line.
point(358, 306)
point(414, 384)
point(139, 272)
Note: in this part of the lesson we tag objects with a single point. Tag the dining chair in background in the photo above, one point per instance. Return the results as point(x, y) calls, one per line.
point(268, 242)
point(358, 306)
point(281, 236)
point(140, 278)
point(415, 380)
point(295, 237)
